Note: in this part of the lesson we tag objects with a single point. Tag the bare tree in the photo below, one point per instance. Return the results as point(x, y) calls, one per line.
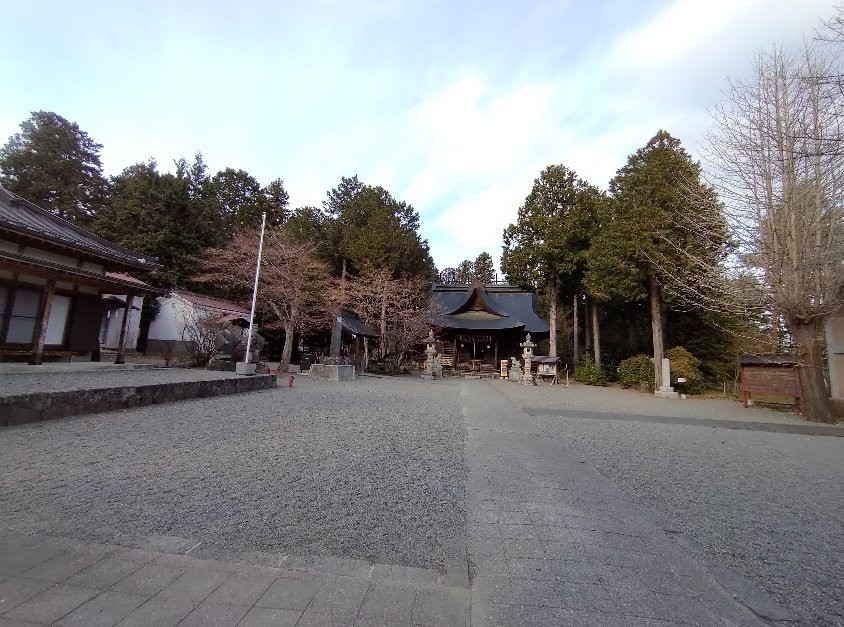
point(294, 285)
point(777, 158)
point(400, 308)
point(199, 335)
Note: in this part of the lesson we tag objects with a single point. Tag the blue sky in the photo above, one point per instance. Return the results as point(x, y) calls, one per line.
point(454, 106)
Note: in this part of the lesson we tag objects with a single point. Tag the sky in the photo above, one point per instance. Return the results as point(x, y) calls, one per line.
point(454, 106)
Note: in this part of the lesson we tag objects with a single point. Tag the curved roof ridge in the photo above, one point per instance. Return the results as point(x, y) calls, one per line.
point(478, 291)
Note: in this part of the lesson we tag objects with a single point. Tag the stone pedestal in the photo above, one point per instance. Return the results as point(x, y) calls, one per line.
point(665, 390)
point(514, 373)
point(332, 372)
point(245, 369)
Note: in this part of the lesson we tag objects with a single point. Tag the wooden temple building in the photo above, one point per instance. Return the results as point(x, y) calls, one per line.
point(53, 275)
point(478, 325)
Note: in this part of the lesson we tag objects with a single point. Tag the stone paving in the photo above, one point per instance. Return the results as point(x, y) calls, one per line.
point(551, 541)
point(46, 580)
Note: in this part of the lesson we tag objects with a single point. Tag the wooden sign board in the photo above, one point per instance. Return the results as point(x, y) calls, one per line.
point(771, 380)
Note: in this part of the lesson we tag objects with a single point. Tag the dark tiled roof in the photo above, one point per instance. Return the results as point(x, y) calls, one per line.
point(516, 308)
point(18, 215)
point(353, 324)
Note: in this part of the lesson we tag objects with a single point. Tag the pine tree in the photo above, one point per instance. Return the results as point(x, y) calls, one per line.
point(56, 165)
point(484, 269)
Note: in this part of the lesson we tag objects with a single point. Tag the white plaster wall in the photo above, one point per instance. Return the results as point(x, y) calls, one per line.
point(167, 324)
point(115, 323)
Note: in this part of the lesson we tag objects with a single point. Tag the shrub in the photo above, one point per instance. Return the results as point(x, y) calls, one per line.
point(587, 372)
point(684, 364)
point(636, 371)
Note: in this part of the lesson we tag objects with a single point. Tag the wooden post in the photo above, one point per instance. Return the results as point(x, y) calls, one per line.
point(41, 322)
point(124, 330)
point(495, 360)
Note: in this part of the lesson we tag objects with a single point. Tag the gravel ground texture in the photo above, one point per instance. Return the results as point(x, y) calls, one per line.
point(617, 400)
point(12, 384)
point(369, 469)
point(770, 506)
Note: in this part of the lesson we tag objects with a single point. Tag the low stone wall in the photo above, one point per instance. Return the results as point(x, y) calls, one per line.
point(24, 408)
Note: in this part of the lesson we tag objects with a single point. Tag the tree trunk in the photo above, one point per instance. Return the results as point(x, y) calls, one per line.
point(808, 346)
point(587, 325)
point(775, 332)
point(383, 329)
point(552, 315)
point(287, 351)
point(656, 329)
point(631, 333)
point(575, 330)
point(596, 334)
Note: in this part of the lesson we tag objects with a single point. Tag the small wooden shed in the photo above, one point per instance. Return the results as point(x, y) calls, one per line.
point(772, 375)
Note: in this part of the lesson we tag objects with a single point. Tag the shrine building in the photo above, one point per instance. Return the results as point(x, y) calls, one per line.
point(477, 325)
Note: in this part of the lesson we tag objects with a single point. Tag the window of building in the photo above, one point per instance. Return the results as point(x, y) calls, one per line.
point(23, 316)
point(57, 322)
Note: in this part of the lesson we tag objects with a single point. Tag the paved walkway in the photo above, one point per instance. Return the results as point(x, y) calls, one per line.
point(46, 580)
point(552, 542)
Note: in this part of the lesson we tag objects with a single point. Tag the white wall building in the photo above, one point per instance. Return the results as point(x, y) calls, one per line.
point(180, 307)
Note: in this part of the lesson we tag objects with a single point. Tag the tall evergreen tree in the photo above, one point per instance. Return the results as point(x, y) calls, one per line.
point(647, 228)
point(465, 271)
point(368, 228)
point(155, 213)
point(484, 268)
point(56, 165)
point(551, 235)
point(239, 200)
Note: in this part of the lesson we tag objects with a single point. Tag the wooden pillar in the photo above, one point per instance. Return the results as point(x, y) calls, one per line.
point(124, 330)
point(41, 322)
point(495, 360)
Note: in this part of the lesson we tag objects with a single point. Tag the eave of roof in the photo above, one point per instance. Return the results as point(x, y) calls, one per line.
point(39, 267)
point(22, 218)
point(353, 324)
point(210, 302)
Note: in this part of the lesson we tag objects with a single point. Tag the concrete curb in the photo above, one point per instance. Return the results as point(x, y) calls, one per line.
point(24, 408)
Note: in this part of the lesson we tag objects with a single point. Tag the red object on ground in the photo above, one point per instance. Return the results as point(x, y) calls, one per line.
point(290, 380)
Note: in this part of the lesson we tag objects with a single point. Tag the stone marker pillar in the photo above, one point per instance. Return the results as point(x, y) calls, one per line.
point(527, 355)
point(665, 390)
point(336, 333)
point(430, 351)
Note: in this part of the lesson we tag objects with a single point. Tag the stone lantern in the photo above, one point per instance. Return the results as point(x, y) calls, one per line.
point(527, 355)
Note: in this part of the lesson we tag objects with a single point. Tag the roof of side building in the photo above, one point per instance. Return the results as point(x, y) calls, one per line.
point(23, 218)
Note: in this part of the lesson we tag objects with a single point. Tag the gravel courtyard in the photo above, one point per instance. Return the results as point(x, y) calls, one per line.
point(768, 505)
point(374, 469)
point(370, 469)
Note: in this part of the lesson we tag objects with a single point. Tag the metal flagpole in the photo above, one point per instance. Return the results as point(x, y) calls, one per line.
point(255, 288)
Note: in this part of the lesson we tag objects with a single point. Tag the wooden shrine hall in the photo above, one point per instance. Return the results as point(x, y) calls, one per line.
point(478, 325)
